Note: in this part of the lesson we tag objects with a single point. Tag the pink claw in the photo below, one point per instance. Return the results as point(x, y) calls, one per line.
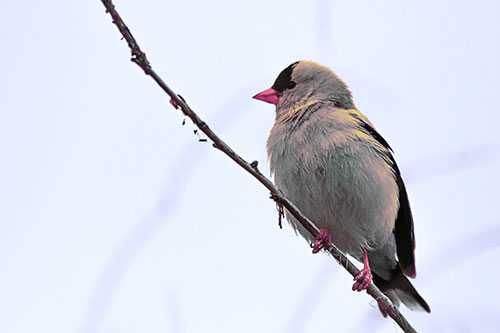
point(364, 277)
point(174, 103)
point(323, 240)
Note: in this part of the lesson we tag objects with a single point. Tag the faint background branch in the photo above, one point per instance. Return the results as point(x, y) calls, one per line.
point(143, 231)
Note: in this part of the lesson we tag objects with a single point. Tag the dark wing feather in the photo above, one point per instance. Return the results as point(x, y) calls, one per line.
point(403, 230)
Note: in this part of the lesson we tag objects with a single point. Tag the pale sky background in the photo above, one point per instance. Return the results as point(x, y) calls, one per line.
point(114, 218)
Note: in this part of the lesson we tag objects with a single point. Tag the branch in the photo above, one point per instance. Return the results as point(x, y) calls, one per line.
point(140, 59)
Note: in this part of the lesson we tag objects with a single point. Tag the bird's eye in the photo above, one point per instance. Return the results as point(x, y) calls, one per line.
point(291, 85)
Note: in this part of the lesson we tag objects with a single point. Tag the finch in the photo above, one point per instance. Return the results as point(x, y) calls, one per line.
point(330, 161)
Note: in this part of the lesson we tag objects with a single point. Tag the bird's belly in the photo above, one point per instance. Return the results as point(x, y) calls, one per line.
point(355, 197)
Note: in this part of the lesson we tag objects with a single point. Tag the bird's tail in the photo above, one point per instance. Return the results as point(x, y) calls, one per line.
point(400, 290)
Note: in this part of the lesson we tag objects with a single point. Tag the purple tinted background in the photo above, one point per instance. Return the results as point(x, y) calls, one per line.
point(114, 218)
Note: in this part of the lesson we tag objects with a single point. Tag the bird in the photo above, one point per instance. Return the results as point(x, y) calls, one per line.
point(330, 161)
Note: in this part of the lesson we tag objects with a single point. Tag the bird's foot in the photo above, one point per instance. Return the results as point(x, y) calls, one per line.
point(323, 240)
point(364, 277)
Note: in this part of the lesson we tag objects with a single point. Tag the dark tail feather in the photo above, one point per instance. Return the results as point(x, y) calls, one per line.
point(400, 290)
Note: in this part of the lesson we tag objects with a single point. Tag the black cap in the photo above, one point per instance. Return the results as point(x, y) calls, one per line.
point(284, 80)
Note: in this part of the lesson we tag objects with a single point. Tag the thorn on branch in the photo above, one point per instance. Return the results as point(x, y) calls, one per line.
point(275, 197)
point(137, 61)
point(255, 166)
point(176, 106)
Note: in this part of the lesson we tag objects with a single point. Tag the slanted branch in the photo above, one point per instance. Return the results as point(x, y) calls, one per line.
point(141, 60)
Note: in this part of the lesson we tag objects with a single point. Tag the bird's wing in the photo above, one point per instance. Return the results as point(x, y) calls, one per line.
point(403, 230)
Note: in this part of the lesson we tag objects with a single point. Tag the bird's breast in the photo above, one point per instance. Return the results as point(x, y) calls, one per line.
point(336, 179)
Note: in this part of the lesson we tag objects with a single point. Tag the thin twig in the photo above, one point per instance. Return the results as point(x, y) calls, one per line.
point(140, 59)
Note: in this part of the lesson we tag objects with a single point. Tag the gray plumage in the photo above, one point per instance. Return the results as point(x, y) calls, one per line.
point(329, 160)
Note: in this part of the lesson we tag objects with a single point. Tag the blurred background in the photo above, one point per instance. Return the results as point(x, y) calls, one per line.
point(115, 218)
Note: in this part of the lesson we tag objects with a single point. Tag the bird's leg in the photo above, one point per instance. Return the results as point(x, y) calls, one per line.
point(323, 240)
point(364, 277)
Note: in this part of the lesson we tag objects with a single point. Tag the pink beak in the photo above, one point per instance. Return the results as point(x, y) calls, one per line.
point(270, 95)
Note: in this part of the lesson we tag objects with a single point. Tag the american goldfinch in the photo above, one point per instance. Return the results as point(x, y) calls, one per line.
point(329, 160)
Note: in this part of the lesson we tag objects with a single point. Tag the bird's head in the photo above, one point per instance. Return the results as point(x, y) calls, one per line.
point(304, 82)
